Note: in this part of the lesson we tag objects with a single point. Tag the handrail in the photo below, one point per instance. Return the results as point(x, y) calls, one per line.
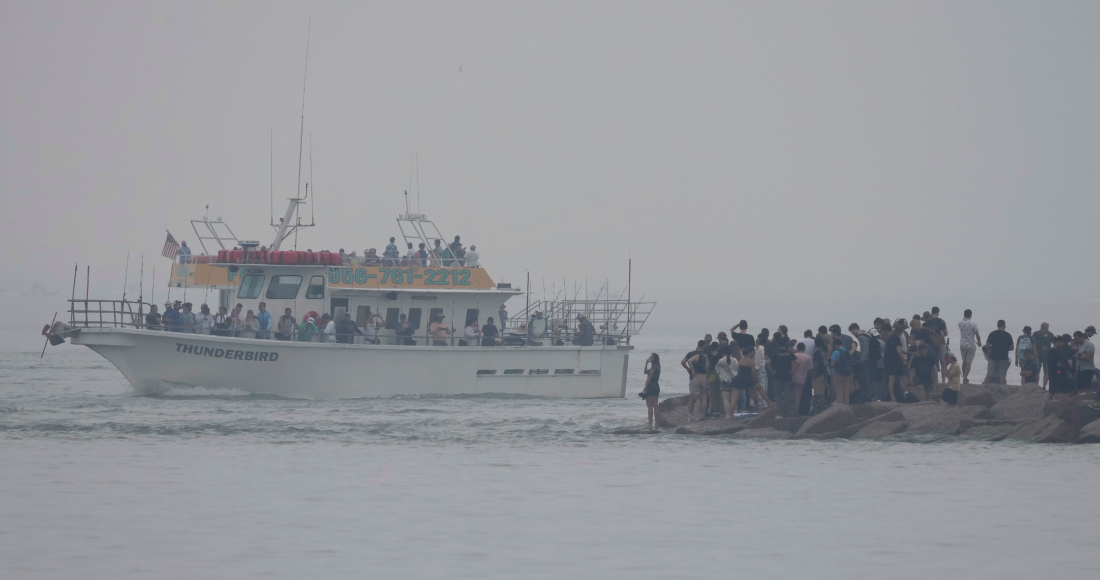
point(109, 313)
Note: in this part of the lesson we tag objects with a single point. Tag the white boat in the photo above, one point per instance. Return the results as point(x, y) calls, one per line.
point(550, 364)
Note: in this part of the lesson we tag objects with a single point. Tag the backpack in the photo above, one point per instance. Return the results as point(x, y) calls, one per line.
point(844, 364)
point(725, 373)
point(934, 338)
point(874, 349)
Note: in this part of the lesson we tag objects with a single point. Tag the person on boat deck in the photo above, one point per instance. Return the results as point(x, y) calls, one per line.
point(447, 257)
point(236, 320)
point(183, 253)
point(537, 328)
point(423, 255)
point(370, 327)
point(152, 320)
point(404, 331)
point(250, 325)
point(410, 256)
point(473, 258)
point(328, 328)
point(370, 257)
point(458, 252)
point(436, 254)
point(503, 313)
point(204, 321)
point(441, 332)
point(391, 253)
point(222, 322)
point(585, 330)
point(307, 329)
point(472, 333)
point(263, 317)
point(347, 329)
point(286, 326)
point(489, 333)
point(171, 317)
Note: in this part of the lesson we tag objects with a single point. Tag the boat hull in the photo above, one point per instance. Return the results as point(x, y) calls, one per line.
point(154, 361)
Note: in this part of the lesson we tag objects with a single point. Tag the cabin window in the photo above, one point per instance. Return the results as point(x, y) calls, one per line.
point(414, 318)
point(284, 287)
point(392, 315)
point(250, 287)
point(316, 289)
point(471, 316)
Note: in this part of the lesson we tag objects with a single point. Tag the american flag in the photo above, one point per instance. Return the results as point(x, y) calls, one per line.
point(170, 247)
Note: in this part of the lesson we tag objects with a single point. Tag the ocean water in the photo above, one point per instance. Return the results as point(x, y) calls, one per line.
point(96, 482)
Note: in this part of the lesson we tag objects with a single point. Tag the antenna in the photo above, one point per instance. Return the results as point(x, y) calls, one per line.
point(271, 191)
point(311, 204)
point(417, 154)
point(407, 210)
point(302, 128)
point(126, 277)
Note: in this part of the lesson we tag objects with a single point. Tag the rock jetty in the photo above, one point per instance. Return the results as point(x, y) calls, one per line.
point(984, 413)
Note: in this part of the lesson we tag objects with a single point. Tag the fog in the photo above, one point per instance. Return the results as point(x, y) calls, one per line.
point(784, 162)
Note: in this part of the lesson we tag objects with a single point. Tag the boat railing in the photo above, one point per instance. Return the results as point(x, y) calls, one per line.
point(97, 313)
point(106, 313)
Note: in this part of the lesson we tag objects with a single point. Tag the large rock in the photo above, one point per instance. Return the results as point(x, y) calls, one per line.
point(1078, 412)
point(673, 412)
point(987, 430)
point(837, 417)
point(984, 395)
point(1089, 433)
point(880, 429)
point(939, 419)
point(1025, 405)
point(713, 427)
point(770, 419)
point(1047, 430)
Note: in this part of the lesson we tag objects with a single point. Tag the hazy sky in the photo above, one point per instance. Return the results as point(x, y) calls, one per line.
point(811, 162)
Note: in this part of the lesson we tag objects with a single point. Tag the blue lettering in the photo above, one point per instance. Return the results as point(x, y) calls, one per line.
point(219, 353)
point(187, 348)
point(249, 355)
point(263, 356)
point(207, 351)
point(178, 346)
point(274, 357)
point(238, 355)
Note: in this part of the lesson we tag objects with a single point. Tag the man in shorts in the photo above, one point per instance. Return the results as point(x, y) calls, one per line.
point(969, 342)
point(1043, 339)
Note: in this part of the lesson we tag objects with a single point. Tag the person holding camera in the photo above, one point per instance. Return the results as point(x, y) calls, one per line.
point(652, 388)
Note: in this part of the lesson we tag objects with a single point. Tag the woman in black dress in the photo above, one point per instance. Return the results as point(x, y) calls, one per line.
point(652, 388)
point(1059, 367)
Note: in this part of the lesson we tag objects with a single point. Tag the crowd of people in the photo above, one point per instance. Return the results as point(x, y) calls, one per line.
point(901, 360)
point(451, 255)
point(180, 317)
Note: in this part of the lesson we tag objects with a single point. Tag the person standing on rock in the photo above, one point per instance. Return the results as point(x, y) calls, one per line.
point(1024, 343)
point(699, 346)
point(969, 342)
point(699, 369)
point(1058, 367)
point(652, 388)
point(841, 362)
point(937, 325)
point(1086, 361)
point(801, 376)
point(868, 346)
point(924, 370)
point(1043, 338)
point(785, 374)
point(1029, 371)
point(896, 357)
point(1000, 344)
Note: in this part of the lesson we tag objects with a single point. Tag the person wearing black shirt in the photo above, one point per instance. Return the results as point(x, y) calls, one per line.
point(743, 339)
point(152, 320)
point(897, 372)
point(489, 333)
point(924, 370)
point(781, 363)
point(1058, 367)
point(1000, 344)
point(699, 346)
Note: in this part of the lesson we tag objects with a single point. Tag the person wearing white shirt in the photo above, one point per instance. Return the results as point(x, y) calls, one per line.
point(204, 322)
point(472, 258)
point(370, 329)
point(328, 333)
point(472, 333)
